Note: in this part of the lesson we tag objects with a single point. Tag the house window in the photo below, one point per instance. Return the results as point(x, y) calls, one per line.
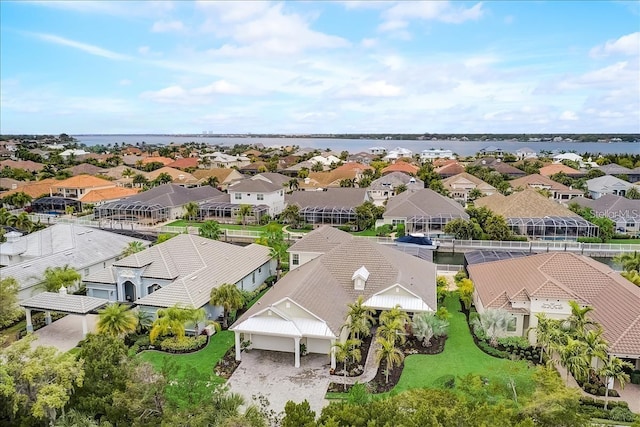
point(260, 196)
point(259, 269)
point(295, 259)
point(253, 277)
point(238, 196)
point(86, 271)
point(511, 324)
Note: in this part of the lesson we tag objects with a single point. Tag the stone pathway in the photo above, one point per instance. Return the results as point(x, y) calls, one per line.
point(370, 369)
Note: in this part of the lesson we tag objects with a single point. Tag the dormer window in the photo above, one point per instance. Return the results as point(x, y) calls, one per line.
point(360, 278)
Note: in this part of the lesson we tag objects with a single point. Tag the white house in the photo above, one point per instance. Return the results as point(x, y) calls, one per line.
point(377, 151)
point(222, 160)
point(265, 189)
point(568, 156)
point(309, 305)
point(607, 184)
point(382, 189)
point(73, 152)
point(398, 153)
point(182, 270)
point(526, 153)
point(325, 159)
point(85, 249)
point(436, 153)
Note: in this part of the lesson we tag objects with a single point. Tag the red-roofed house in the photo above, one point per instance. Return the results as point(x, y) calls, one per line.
point(400, 166)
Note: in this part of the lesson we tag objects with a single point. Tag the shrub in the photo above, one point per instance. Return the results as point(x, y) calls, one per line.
point(384, 230)
point(516, 343)
point(459, 276)
point(492, 351)
point(621, 414)
point(589, 240)
point(184, 345)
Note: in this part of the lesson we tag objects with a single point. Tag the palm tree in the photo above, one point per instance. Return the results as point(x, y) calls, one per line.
point(614, 368)
point(359, 318)
point(128, 173)
point(191, 210)
point(388, 351)
point(427, 325)
point(494, 322)
point(596, 345)
point(23, 222)
point(212, 181)
point(393, 314)
point(629, 261)
point(140, 180)
point(344, 351)
point(116, 320)
point(573, 357)
point(392, 330)
point(578, 321)
point(546, 332)
point(210, 230)
point(291, 215)
point(293, 184)
point(133, 248)
point(163, 178)
point(144, 321)
point(243, 211)
point(56, 277)
point(171, 321)
point(6, 217)
point(229, 297)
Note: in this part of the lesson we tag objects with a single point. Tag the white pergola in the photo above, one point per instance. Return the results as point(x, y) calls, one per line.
point(62, 303)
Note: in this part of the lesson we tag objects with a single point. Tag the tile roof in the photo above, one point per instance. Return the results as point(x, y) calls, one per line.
point(35, 189)
point(108, 194)
point(463, 177)
point(615, 169)
point(401, 167)
point(524, 204)
point(541, 180)
point(164, 160)
point(221, 173)
point(394, 179)
point(606, 182)
point(86, 168)
point(196, 265)
point(611, 206)
point(84, 181)
point(117, 171)
point(556, 168)
point(178, 176)
point(561, 275)
point(9, 183)
point(450, 169)
point(332, 197)
point(184, 163)
point(321, 240)
point(423, 202)
point(324, 285)
point(266, 182)
point(27, 165)
point(499, 166)
point(66, 303)
point(173, 195)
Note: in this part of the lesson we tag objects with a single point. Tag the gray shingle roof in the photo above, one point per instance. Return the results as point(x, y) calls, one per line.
point(324, 285)
point(423, 202)
point(66, 303)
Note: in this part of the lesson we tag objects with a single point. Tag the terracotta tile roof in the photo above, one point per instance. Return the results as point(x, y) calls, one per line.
point(108, 194)
point(443, 162)
point(178, 176)
point(333, 177)
point(86, 168)
point(187, 162)
point(164, 160)
point(35, 189)
point(555, 168)
point(117, 171)
point(27, 165)
point(450, 169)
point(401, 167)
point(616, 301)
point(84, 181)
point(524, 204)
point(224, 175)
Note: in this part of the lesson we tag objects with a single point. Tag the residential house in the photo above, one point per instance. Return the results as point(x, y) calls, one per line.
point(378, 151)
point(401, 166)
point(222, 160)
point(624, 212)
point(334, 206)
point(559, 192)
point(450, 169)
point(27, 165)
point(74, 153)
point(362, 157)
point(225, 176)
point(158, 204)
point(78, 186)
point(460, 186)
point(397, 153)
point(263, 189)
point(309, 304)
point(499, 166)
point(529, 213)
point(182, 271)
point(325, 159)
point(335, 177)
point(101, 196)
point(572, 157)
point(178, 177)
point(545, 283)
point(525, 153)
point(631, 175)
point(607, 184)
point(184, 163)
point(85, 249)
point(492, 151)
point(86, 169)
point(422, 211)
point(35, 189)
point(293, 170)
point(382, 189)
point(157, 159)
point(10, 184)
point(553, 169)
point(436, 153)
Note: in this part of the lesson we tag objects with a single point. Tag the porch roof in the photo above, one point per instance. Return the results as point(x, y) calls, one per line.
point(64, 303)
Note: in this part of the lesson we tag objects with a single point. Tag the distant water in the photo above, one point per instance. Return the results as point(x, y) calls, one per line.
point(463, 148)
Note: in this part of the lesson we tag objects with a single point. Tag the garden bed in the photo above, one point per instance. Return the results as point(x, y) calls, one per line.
point(355, 369)
point(227, 365)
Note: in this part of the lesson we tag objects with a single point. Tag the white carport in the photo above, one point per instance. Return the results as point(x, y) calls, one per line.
point(62, 303)
point(271, 329)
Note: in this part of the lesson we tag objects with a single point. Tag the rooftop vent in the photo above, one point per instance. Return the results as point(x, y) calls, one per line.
point(359, 278)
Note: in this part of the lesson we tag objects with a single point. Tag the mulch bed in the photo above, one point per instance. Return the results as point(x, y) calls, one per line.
point(379, 383)
point(227, 365)
point(355, 368)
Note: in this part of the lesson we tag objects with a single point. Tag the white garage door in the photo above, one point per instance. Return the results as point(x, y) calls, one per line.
point(99, 293)
point(266, 342)
point(317, 345)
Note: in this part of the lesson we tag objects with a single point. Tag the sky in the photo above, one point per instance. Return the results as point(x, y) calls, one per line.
point(324, 67)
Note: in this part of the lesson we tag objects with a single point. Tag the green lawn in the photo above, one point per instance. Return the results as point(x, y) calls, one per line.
point(368, 232)
point(201, 362)
point(461, 357)
point(624, 241)
point(185, 223)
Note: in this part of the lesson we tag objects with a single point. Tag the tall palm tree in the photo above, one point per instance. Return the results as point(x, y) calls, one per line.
point(229, 297)
point(614, 368)
point(578, 320)
point(629, 261)
point(210, 230)
point(133, 248)
point(388, 351)
point(573, 357)
point(191, 210)
point(243, 212)
point(347, 350)
point(392, 330)
point(56, 277)
point(546, 332)
point(359, 318)
point(293, 184)
point(116, 320)
point(596, 345)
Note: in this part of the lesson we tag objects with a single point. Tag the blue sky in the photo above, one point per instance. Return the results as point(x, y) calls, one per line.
point(320, 67)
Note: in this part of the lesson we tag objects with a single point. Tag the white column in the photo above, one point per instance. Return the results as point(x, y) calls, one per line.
point(29, 324)
point(85, 327)
point(238, 348)
point(297, 348)
point(333, 354)
point(47, 317)
point(120, 292)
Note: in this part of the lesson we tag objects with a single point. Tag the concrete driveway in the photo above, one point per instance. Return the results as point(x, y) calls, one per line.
point(65, 333)
point(272, 374)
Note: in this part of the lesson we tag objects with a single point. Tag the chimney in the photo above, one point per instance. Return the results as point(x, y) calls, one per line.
point(360, 278)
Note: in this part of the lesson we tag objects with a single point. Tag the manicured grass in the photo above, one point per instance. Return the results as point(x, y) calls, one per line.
point(368, 232)
point(185, 223)
point(202, 362)
point(624, 241)
point(461, 357)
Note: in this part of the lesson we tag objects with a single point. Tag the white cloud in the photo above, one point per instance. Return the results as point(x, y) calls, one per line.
point(393, 25)
point(368, 43)
point(176, 94)
point(626, 45)
point(374, 89)
point(93, 50)
point(443, 11)
point(167, 26)
point(568, 116)
point(114, 8)
point(125, 82)
point(232, 11)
